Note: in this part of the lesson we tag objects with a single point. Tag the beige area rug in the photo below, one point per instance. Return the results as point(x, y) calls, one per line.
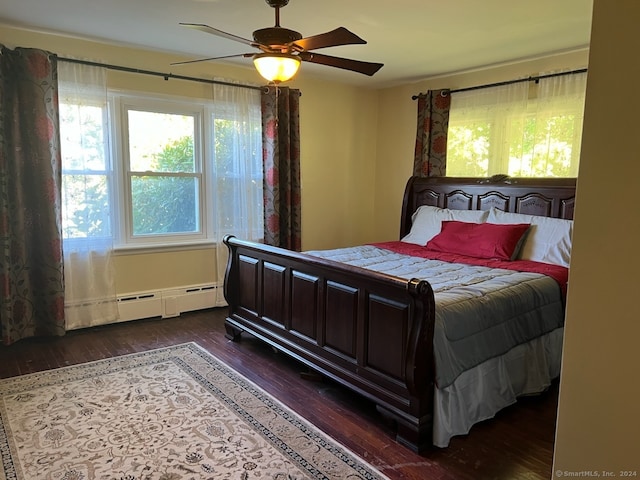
point(168, 414)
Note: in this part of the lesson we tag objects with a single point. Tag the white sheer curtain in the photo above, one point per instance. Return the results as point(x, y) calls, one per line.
point(236, 144)
point(559, 110)
point(90, 291)
point(529, 129)
point(478, 129)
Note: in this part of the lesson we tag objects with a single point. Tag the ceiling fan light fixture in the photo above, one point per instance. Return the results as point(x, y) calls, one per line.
point(276, 67)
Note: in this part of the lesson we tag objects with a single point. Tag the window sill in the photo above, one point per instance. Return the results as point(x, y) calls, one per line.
point(163, 248)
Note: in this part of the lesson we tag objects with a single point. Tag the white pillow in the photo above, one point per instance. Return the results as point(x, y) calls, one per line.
point(471, 216)
point(548, 239)
point(426, 222)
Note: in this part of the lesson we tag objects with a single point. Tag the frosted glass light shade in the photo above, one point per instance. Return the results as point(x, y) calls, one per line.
point(276, 67)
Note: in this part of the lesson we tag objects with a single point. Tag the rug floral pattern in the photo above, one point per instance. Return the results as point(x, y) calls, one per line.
point(175, 413)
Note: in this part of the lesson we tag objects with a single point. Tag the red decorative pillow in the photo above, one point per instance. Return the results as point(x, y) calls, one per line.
point(480, 240)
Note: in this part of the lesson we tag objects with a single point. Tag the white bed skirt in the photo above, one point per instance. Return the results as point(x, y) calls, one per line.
point(526, 369)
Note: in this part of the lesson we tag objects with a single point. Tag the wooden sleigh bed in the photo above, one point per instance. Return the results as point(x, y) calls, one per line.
point(369, 331)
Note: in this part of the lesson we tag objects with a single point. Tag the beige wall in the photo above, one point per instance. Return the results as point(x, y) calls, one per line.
point(599, 413)
point(338, 156)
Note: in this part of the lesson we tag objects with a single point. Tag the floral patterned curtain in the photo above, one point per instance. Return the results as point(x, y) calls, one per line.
point(281, 157)
point(31, 266)
point(431, 138)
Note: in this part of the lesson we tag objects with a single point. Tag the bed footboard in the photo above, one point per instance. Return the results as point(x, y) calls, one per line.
point(371, 332)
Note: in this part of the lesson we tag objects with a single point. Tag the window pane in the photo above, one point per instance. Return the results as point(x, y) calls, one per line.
point(468, 149)
point(86, 211)
point(239, 177)
point(161, 142)
point(165, 205)
point(238, 216)
point(82, 140)
point(547, 147)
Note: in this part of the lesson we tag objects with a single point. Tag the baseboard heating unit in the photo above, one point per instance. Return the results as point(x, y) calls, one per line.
point(166, 303)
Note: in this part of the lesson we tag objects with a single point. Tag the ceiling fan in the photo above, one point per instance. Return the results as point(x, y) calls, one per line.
point(282, 49)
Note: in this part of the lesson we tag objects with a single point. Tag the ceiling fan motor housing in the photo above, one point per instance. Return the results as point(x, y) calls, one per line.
point(277, 3)
point(276, 36)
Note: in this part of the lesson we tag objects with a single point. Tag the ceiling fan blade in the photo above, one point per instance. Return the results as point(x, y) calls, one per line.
point(339, 36)
point(366, 68)
point(214, 58)
point(214, 31)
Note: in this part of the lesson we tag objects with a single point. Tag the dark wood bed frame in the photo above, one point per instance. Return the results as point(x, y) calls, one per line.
point(371, 332)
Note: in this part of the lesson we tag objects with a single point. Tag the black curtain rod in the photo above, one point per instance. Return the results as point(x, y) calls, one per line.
point(166, 76)
point(509, 82)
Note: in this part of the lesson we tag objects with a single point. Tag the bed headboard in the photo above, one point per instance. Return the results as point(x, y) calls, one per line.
point(549, 197)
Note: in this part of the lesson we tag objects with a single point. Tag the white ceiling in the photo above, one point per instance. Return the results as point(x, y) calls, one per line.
point(415, 39)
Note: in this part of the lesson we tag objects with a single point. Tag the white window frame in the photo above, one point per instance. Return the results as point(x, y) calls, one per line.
point(109, 172)
point(124, 103)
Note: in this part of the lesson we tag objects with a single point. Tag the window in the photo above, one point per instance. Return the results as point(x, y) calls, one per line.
point(525, 129)
point(86, 169)
point(162, 171)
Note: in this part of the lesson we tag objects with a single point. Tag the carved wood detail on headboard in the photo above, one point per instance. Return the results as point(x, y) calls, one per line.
point(493, 199)
point(549, 197)
point(459, 200)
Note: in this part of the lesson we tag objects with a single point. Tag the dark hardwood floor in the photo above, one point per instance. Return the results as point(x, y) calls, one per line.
point(516, 444)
